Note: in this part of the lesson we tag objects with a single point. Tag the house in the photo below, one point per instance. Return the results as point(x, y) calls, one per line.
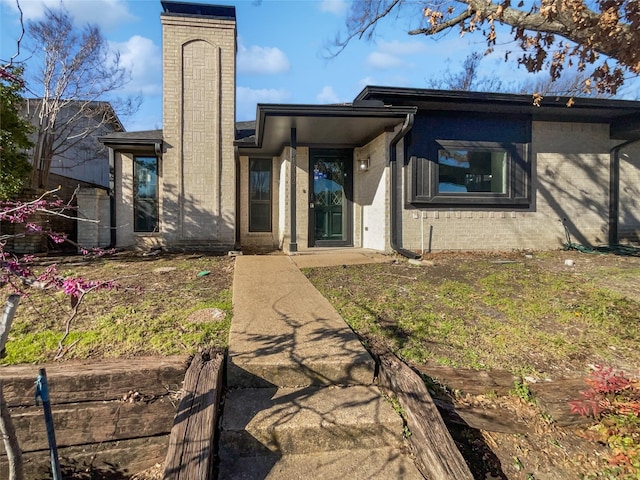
point(403, 169)
point(78, 156)
point(74, 164)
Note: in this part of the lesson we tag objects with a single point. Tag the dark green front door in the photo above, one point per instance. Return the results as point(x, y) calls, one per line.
point(330, 199)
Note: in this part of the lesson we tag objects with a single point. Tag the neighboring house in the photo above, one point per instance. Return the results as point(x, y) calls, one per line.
point(81, 171)
point(79, 156)
point(399, 169)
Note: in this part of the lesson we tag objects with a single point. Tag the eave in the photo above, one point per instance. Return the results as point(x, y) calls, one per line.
point(339, 126)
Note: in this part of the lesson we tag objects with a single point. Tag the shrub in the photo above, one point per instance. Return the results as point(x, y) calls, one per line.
point(613, 399)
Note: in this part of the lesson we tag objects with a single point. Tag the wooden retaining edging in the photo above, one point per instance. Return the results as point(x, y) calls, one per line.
point(112, 417)
point(436, 453)
point(192, 443)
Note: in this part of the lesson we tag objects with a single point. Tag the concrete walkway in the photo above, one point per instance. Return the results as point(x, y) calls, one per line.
point(300, 401)
point(283, 327)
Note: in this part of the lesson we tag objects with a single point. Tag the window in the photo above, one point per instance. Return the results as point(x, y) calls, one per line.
point(260, 195)
point(471, 173)
point(472, 170)
point(145, 194)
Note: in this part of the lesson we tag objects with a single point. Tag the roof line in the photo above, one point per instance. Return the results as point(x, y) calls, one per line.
point(373, 91)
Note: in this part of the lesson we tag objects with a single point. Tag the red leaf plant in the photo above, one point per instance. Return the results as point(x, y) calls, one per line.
point(610, 392)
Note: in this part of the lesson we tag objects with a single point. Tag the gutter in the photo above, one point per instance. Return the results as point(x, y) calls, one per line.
point(395, 226)
point(113, 239)
point(614, 190)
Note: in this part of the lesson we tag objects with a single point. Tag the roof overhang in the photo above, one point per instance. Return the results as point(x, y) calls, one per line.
point(623, 116)
point(149, 141)
point(339, 126)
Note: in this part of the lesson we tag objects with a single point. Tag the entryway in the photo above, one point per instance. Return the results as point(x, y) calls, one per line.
point(330, 197)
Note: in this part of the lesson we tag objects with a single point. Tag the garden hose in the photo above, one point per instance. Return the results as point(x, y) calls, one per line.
point(624, 250)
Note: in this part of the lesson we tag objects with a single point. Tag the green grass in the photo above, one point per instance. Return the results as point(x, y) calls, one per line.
point(149, 316)
point(476, 313)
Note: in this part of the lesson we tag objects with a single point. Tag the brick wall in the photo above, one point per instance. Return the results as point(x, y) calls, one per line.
point(124, 200)
point(283, 200)
point(64, 224)
point(570, 181)
point(197, 204)
point(629, 206)
point(371, 193)
point(94, 208)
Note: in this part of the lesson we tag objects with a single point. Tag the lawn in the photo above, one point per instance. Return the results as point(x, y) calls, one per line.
point(151, 313)
point(535, 315)
point(532, 315)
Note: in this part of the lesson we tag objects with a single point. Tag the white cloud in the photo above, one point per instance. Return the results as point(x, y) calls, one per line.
point(261, 60)
point(107, 14)
point(247, 99)
point(384, 61)
point(143, 59)
point(337, 7)
point(389, 55)
point(328, 95)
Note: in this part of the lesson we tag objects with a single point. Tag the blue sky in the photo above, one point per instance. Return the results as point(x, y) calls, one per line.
point(281, 51)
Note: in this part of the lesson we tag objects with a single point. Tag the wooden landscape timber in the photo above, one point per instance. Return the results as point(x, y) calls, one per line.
point(495, 420)
point(191, 447)
point(553, 398)
point(112, 417)
point(86, 381)
point(119, 459)
point(436, 453)
point(471, 381)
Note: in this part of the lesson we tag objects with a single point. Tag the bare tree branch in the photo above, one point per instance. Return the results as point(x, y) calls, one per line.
point(553, 35)
point(79, 71)
point(19, 41)
point(363, 25)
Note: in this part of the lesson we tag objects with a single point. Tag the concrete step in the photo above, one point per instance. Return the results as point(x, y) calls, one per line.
point(354, 368)
point(380, 463)
point(296, 421)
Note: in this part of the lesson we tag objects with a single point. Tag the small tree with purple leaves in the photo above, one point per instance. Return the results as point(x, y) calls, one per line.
point(19, 277)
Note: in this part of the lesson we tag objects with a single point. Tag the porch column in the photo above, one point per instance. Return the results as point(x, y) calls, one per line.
point(293, 245)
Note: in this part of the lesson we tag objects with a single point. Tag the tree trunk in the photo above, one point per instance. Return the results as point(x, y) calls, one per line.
point(11, 446)
point(42, 157)
point(7, 431)
point(7, 319)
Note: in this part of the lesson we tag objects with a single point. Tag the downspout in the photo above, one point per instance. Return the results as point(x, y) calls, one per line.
point(614, 190)
point(112, 200)
point(293, 244)
point(236, 223)
point(395, 234)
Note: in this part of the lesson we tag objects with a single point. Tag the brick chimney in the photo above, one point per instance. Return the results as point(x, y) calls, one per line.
point(198, 165)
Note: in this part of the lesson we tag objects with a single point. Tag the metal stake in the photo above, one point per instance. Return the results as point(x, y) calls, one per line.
point(42, 393)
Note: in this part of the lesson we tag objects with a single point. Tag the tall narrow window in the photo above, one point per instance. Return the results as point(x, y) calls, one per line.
point(145, 194)
point(260, 195)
